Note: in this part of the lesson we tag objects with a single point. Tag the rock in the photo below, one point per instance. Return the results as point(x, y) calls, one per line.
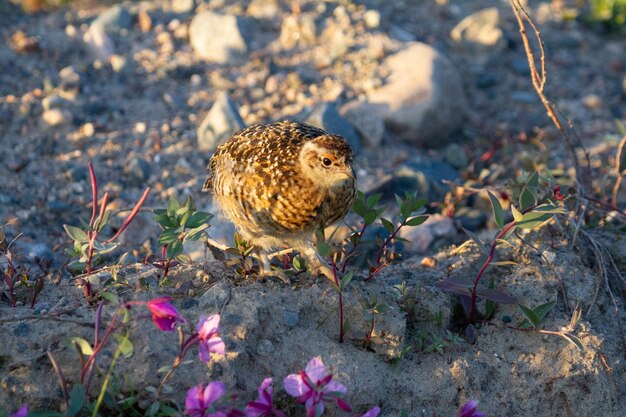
point(479, 31)
point(423, 101)
point(470, 218)
point(263, 9)
point(183, 6)
point(141, 229)
point(114, 19)
point(219, 124)
point(118, 63)
point(220, 38)
point(98, 42)
point(325, 116)
point(298, 30)
point(520, 66)
point(455, 155)
point(367, 119)
point(69, 79)
point(57, 117)
point(421, 239)
point(372, 19)
point(137, 171)
point(53, 101)
point(420, 174)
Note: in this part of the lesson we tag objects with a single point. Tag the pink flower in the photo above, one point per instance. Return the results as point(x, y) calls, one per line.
point(469, 410)
point(210, 342)
point(263, 407)
point(199, 400)
point(371, 413)
point(313, 386)
point(164, 315)
point(22, 412)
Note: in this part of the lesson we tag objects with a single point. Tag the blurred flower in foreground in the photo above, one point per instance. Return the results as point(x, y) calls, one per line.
point(164, 315)
point(469, 410)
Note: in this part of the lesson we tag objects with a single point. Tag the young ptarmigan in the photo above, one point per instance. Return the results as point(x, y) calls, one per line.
point(279, 182)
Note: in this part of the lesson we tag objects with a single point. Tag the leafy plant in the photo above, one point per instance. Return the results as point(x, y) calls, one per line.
point(179, 223)
point(534, 210)
point(87, 248)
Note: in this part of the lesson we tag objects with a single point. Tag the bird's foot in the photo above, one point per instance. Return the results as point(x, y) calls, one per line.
point(275, 273)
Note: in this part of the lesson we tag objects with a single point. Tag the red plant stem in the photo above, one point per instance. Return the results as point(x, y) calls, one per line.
point(94, 194)
point(349, 254)
point(91, 235)
point(166, 262)
point(606, 206)
point(110, 329)
point(492, 251)
point(95, 342)
point(131, 216)
point(103, 207)
point(381, 250)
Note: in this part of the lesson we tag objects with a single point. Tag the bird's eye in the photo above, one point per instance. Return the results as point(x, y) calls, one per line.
point(327, 162)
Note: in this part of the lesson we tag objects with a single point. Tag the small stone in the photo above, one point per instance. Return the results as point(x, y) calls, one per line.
point(549, 256)
point(99, 43)
point(219, 124)
point(57, 117)
point(69, 79)
point(325, 116)
point(298, 30)
point(195, 80)
point(479, 31)
point(265, 347)
point(22, 329)
point(592, 101)
point(114, 19)
point(220, 38)
point(53, 101)
point(183, 6)
point(118, 62)
point(140, 127)
point(182, 166)
point(372, 19)
point(137, 171)
point(455, 155)
point(145, 21)
point(291, 318)
point(88, 130)
point(263, 9)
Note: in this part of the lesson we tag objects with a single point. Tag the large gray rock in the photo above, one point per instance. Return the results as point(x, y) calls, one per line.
point(422, 101)
point(219, 124)
point(325, 116)
point(368, 120)
point(219, 38)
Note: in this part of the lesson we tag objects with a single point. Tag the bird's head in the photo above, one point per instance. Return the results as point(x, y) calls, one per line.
point(327, 161)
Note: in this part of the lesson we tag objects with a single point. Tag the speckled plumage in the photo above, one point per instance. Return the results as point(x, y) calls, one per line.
point(273, 182)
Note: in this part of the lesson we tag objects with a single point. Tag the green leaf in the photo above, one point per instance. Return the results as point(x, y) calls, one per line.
point(174, 249)
point(169, 236)
point(113, 298)
point(498, 213)
point(172, 207)
point(83, 345)
point(198, 219)
point(185, 218)
point(517, 215)
point(359, 204)
point(346, 279)
point(77, 400)
point(543, 310)
point(533, 219)
point(45, 413)
point(196, 233)
point(405, 208)
point(324, 249)
point(528, 196)
point(189, 203)
point(387, 225)
point(373, 200)
point(530, 315)
point(124, 345)
point(153, 409)
point(570, 338)
point(165, 221)
point(476, 239)
point(76, 234)
point(370, 217)
point(183, 258)
point(549, 208)
point(416, 221)
point(102, 224)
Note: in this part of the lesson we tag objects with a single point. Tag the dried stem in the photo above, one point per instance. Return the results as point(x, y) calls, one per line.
point(539, 82)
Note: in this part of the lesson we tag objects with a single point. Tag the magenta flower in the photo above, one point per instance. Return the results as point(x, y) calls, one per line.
point(22, 412)
point(313, 386)
point(371, 413)
point(199, 400)
point(210, 342)
point(263, 407)
point(470, 410)
point(164, 315)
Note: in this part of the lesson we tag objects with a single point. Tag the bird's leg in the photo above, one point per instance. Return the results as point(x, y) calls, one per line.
point(266, 269)
point(316, 264)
